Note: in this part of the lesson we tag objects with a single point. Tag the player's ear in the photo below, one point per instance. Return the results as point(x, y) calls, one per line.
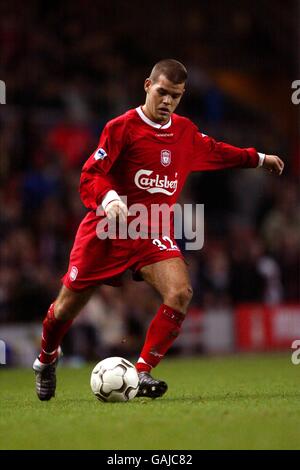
point(147, 84)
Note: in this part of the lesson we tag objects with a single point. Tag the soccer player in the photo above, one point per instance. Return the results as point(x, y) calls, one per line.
point(145, 154)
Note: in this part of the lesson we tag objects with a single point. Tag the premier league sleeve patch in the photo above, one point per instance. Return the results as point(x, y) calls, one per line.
point(100, 154)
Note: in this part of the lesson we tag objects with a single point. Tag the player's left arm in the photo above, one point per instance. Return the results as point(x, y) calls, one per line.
point(273, 163)
point(208, 155)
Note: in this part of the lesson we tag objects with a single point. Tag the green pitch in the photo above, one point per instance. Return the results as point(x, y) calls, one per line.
point(241, 402)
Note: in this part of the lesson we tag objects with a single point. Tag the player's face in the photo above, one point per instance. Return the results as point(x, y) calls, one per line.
point(162, 98)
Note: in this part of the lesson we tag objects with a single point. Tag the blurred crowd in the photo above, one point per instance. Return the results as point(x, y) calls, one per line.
point(69, 68)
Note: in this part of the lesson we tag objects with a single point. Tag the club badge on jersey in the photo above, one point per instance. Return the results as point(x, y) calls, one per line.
point(165, 157)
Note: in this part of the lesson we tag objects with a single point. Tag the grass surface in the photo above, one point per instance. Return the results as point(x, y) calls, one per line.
point(242, 402)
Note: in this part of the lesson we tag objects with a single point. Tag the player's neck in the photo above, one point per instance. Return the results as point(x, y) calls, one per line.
point(148, 114)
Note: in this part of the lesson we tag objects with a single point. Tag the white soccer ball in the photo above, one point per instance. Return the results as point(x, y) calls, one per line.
point(114, 379)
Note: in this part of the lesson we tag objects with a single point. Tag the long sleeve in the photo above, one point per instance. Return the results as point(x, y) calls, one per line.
point(211, 155)
point(95, 179)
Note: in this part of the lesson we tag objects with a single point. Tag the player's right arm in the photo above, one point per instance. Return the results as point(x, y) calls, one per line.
point(96, 186)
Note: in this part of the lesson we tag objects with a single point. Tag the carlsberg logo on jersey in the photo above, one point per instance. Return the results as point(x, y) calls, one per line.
point(156, 184)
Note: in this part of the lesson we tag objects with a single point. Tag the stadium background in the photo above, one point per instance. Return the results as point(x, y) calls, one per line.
point(70, 67)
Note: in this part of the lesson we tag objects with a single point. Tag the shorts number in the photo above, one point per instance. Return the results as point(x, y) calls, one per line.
point(161, 246)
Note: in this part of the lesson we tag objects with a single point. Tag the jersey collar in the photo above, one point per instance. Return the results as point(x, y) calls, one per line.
point(151, 123)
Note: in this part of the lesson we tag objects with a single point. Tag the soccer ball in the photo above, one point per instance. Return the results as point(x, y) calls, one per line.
point(114, 379)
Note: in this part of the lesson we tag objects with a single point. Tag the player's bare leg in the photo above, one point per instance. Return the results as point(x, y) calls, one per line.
point(57, 322)
point(171, 280)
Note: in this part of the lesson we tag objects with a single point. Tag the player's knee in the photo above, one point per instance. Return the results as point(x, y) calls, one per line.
point(180, 298)
point(185, 295)
point(64, 310)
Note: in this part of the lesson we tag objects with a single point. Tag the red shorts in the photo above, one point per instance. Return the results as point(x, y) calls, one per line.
point(94, 261)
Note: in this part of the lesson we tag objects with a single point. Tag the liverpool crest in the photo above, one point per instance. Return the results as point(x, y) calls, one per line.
point(165, 157)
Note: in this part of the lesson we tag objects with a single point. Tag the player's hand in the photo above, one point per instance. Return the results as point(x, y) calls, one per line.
point(274, 164)
point(117, 210)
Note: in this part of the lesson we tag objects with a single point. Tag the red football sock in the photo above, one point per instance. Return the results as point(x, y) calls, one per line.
point(162, 332)
point(53, 332)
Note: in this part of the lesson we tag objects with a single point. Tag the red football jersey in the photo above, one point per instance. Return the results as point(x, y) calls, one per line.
point(149, 162)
